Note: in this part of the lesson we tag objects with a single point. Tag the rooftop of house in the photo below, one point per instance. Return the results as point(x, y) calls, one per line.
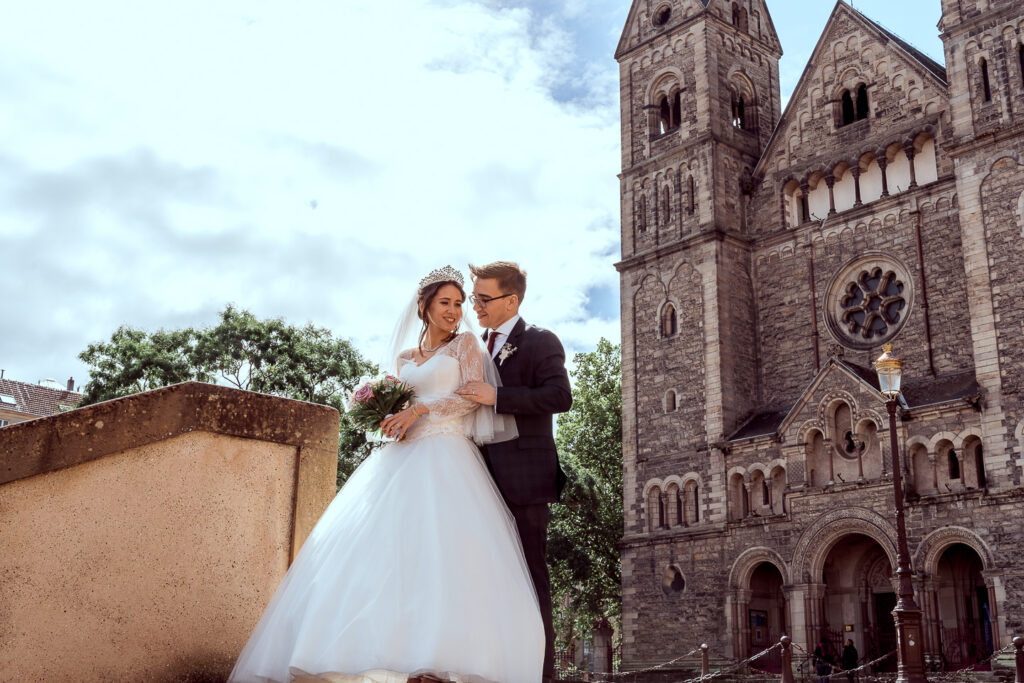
point(43, 399)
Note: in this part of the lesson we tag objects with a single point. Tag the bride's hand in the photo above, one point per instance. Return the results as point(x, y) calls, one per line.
point(398, 424)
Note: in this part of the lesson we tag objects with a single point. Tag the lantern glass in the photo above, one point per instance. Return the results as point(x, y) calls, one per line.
point(890, 373)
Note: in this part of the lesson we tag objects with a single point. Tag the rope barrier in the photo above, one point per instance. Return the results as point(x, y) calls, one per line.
point(650, 668)
point(950, 676)
point(955, 675)
point(607, 677)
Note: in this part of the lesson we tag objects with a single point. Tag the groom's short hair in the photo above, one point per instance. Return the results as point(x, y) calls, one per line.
point(510, 277)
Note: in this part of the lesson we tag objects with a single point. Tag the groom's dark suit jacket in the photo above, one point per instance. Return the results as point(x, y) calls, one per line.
point(535, 386)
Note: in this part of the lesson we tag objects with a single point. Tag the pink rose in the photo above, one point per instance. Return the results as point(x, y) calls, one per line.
point(364, 394)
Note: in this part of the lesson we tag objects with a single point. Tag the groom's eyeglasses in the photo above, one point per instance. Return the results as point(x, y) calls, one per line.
point(484, 300)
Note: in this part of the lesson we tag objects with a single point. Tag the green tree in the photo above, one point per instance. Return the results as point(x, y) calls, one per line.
point(585, 530)
point(269, 356)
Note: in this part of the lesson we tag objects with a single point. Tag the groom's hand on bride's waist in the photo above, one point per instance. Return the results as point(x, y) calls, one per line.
point(478, 392)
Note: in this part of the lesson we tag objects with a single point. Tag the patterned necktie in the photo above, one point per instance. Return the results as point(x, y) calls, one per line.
point(491, 338)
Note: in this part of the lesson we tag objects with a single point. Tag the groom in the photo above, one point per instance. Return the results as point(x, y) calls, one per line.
point(535, 386)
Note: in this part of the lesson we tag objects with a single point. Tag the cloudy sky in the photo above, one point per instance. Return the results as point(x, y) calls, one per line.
point(313, 159)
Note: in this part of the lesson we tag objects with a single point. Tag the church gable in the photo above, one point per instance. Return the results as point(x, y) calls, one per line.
point(649, 19)
point(861, 82)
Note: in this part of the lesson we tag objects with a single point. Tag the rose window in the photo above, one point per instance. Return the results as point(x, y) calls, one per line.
point(873, 304)
point(868, 301)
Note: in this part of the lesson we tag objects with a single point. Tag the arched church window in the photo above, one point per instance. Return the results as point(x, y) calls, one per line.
point(641, 213)
point(979, 466)
point(676, 118)
point(862, 102)
point(664, 116)
point(849, 113)
point(986, 86)
point(738, 111)
point(735, 15)
point(670, 401)
point(693, 194)
point(854, 105)
point(666, 207)
point(692, 503)
point(1020, 60)
point(954, 464)
point(661, 16)
point(668, 321)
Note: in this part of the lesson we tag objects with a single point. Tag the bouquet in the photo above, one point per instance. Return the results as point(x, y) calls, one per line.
point(378, 399)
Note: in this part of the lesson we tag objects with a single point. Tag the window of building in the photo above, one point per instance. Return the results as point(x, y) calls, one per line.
point(668, 321)
point(641, 214)
point(854, 105)
point(954, 464)
point(873, 303)
point(693, 194)
point(8, 399)
point(849, 114)
point(692, 503)
point(1020, 59)
point(738, 111)
point(664, 116)
point(862, 102)
point(986, 87)
point(670, 401)
point(661, 15)
point(4, 423)
point(666, 207)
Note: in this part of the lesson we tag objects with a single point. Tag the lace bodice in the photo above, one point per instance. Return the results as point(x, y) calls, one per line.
point(435, 382)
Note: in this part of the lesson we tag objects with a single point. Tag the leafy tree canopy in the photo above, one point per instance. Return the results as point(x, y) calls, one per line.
point(585, 530)
point(269, 356)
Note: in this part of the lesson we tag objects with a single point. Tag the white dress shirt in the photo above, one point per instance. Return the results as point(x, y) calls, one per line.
point(503, 331)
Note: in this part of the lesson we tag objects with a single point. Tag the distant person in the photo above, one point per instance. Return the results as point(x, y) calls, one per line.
point(849, 659)
point(823, 659)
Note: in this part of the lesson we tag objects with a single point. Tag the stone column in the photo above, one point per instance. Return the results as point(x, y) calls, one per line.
point(830, 180)
point(855, 170)
point(909, 149)
point(882, 163)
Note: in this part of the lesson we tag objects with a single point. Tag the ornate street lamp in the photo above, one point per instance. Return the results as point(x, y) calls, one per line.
point(907, 615)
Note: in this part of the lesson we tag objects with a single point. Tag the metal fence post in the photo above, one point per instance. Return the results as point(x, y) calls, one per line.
point(705, 664)
point(787, 659)
point(1018, 643)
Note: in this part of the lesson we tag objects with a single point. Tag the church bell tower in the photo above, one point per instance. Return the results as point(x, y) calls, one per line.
point(699, 90)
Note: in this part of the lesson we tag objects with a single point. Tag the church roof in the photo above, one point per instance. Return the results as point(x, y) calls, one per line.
point(927, 392)
point(927, 62)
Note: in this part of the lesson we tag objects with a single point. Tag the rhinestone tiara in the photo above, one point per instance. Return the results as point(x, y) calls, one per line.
point(446, 274)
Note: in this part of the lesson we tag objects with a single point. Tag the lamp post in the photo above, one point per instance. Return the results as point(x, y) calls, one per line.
point(907, 615)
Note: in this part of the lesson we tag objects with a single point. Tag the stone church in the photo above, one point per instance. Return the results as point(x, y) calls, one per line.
point(767, 255)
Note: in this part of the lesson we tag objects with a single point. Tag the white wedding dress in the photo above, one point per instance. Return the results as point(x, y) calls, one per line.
point(415, 566)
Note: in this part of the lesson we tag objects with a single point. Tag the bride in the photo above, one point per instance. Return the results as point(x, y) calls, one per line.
point(415, 571)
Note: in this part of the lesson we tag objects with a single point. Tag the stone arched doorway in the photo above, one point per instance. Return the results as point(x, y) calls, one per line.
point(965, 614)
point(858, 598)
point(758, 611)
point(766, 615)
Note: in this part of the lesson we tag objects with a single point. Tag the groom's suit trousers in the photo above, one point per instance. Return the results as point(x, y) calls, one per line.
point(532, 522)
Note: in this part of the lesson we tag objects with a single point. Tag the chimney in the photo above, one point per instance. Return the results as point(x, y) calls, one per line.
point(71, 383)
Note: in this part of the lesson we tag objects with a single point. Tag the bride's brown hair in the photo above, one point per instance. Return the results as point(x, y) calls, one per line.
point(426, 297)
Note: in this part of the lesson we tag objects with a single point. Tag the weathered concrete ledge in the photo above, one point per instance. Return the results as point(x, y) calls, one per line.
point(141, 538)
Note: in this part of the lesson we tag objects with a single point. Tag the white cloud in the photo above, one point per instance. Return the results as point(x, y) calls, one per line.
point(307, 160)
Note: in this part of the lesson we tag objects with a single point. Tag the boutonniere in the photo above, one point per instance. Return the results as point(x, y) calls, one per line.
point(506, 352)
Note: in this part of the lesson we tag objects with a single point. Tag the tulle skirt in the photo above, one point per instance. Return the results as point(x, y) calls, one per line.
point(415, 567)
